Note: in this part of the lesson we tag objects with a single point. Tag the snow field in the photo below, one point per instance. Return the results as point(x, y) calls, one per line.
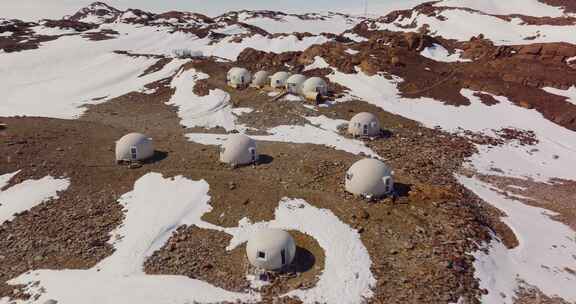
point(154, 209)
point(546, 247)
point(27, 194)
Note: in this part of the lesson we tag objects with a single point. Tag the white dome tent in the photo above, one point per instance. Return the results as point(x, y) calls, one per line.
point(315, 84)
point(294, 84)
point(134, 147)
point(239, 149)
point(238, 77)
point(270, 249)
point(364, 124)
point(260, 79)
point(314, 88)
point(278, 80)
point(370, 178)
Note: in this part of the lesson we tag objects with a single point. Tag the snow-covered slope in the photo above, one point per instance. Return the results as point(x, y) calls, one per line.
point(278, 22)
point(464, 23)
point(97, 73)
point(533, 8)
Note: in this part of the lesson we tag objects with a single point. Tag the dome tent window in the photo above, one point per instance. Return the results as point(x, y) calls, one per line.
point(252, 151)
point(134, 152)
point(388, 184)
point(262, 255)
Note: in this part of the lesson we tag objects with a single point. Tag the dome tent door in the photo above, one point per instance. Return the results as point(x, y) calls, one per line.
point(252, 154)
point(365, 130)
point(133, 153)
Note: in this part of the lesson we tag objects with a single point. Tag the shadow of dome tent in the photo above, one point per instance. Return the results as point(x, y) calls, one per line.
point(304, 260)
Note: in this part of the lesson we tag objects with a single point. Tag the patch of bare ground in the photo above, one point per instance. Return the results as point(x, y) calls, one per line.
point(557, 195)
point(567, 5)
point(104, 34)
point(532, 295)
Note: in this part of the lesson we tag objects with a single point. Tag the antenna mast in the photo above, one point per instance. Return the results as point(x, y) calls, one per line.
point(365, 8)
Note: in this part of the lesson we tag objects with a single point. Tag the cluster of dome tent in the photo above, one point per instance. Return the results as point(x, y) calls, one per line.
point(273, 249)
point(313, 88)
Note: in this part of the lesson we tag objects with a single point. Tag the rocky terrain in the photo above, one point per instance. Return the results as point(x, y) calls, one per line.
point(478, 130)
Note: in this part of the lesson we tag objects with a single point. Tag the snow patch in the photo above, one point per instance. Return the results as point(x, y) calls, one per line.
point(319, 63)
point(209, 111)
point(48, 82)
point(546, 247)
point(27, 194)
point(325, 135)
point(570, 93)
point(292, 97)
point(355, 37)
point(462, 25)
point(438, 53)
point(52, 31)
point(509, 7)
point(330, 23)
point(352, 52)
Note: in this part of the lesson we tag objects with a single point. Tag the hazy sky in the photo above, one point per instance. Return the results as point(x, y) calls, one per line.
point(36, 9)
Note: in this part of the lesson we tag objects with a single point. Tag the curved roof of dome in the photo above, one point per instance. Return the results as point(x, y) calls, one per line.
point(370, 168)
point(281, 75)
point(133, 138)
point(296, 78)
point(269, 238)
point(364, 117)
point(238, 71)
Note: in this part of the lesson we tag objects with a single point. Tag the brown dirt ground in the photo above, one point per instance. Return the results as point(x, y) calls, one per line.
point(418, 243)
